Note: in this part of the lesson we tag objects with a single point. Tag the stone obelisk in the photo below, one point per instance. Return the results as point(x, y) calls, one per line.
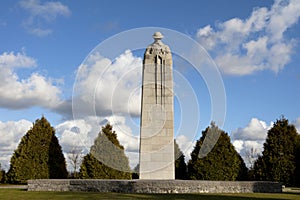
point(157, 113)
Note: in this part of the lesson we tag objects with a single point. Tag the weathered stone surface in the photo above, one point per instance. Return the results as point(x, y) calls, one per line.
point(156, 146)
point(153, 186)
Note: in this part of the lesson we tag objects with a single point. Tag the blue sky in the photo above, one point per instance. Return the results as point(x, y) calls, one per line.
point(254, 44)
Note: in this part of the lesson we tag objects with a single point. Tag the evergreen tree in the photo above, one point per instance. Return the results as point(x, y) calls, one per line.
point(222, 163)
point(2, 175)
point(297, 158)
point(278, 162)
point(38, 156)
point(106, 159)
point(136, 172)
point(180, 165)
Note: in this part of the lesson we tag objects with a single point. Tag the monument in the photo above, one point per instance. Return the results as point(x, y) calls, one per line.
point(156, 144)
point(157, 121)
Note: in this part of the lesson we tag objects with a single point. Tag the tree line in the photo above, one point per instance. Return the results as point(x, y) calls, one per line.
point(39, 156)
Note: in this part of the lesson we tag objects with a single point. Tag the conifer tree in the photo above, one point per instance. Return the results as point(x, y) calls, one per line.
point(180, 165)
point(297, 158)
point(136, 172)
point(106, 159)
point(278, 162)
point(222, 163)
point(38, 156)
point(2, 175)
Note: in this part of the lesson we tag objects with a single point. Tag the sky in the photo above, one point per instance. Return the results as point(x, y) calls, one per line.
point(79, 64)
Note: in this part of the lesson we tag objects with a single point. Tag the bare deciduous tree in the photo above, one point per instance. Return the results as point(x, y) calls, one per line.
point(74, 158)
point(251, 154)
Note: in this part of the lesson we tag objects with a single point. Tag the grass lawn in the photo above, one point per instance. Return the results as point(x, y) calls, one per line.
point(20, 194)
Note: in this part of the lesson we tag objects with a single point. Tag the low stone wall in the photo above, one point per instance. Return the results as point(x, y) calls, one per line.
point(153, 186)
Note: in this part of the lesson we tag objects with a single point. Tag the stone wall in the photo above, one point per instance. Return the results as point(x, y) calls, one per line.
point(153, 186)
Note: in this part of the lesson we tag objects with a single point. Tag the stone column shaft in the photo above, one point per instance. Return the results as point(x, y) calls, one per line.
point(157, 114)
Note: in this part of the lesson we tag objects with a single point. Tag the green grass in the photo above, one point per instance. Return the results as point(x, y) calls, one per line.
point(18, 194)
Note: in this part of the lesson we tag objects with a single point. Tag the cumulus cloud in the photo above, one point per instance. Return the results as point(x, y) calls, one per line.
point(11, 133)
point(12, 60)
point(245, 46)
point(16, 93)
point(250, 139)
point(41, 14)
point(255, 130)
point(105, 88)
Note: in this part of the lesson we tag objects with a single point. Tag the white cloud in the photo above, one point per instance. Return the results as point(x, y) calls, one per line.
point(249, 150)
point(12, 60)
point(250, 138)
point(107, 88)
point(238, 144)
point(16, 93)
point(241, 47)
point(186, 146)
point(11, 133)
point(283, 15)
point(125, 135)
point(297, 124)
point(255, 130)
point(41, 14)
point(76, 133)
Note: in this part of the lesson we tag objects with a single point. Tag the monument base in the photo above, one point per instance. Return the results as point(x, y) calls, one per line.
point(153, 186)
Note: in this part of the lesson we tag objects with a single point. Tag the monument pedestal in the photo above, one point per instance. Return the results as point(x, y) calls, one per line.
point(153, 186)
